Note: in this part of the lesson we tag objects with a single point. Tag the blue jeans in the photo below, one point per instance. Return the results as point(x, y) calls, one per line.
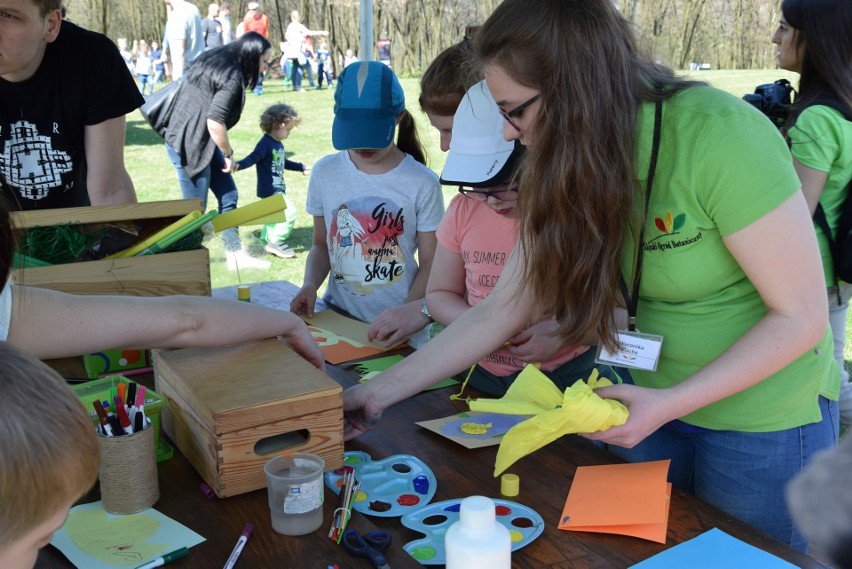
point(296, 74)
point(146, 80)
point(741, 473)
point(213, 178)
point(323, 71)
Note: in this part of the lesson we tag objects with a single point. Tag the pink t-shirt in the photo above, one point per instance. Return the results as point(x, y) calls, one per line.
point(485, 240)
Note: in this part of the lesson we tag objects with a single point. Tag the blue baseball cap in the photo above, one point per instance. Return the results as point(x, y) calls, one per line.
point(367, 100)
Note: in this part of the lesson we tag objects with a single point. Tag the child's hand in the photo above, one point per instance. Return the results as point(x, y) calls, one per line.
point(304, 302)
point(397, 324)
point(306, 171)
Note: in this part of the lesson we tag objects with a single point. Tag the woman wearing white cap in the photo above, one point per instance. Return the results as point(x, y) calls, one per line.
point(475, 239)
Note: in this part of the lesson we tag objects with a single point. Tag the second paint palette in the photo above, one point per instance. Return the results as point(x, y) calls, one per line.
point(524, 525)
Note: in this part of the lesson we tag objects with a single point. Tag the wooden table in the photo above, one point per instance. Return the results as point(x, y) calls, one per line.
point(545, 477)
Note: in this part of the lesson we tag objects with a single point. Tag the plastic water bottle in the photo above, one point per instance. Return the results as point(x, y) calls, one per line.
point(477, 541)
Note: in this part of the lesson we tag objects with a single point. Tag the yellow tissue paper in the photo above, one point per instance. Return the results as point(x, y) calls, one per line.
point(578, 410)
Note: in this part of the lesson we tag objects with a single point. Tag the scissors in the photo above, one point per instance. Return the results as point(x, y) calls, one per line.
point(369, 546)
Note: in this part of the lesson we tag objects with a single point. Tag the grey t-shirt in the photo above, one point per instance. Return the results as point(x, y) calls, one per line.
point(372, 222)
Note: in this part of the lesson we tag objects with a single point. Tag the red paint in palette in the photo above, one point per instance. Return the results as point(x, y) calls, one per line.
point(408, 500)
point(502, 510)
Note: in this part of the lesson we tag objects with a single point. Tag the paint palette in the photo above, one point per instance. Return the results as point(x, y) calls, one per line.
point(389, 487)
point(524, 525)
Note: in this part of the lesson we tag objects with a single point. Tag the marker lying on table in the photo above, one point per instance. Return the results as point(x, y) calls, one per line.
point(232, 560)
point(167, 558)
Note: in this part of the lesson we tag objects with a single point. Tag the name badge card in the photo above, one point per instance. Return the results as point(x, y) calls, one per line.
point(635, 350)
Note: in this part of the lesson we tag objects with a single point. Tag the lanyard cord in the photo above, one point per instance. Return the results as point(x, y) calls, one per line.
point(632, 300)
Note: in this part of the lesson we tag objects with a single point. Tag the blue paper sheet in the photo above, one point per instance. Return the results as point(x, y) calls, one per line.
point(714, 549)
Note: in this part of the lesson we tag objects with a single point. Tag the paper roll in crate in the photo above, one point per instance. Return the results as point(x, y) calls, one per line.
point(128, 472)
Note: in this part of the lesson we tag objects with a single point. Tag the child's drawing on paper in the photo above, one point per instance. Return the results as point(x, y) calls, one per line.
point(119, 540)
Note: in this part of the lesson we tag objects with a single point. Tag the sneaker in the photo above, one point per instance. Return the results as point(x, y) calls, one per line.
point(845, 403)
point(258, 91)
point(238, 260)
point(280, 250)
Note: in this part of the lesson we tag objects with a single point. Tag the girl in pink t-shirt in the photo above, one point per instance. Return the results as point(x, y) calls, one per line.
point(476, 238)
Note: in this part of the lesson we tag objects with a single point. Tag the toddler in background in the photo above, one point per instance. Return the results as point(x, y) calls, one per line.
point(44, 470)
point(270, 161)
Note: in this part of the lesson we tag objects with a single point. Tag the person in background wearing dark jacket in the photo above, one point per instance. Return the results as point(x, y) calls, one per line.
point(210, 102)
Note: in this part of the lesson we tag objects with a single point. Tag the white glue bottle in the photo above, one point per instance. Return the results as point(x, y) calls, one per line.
point(477, 540)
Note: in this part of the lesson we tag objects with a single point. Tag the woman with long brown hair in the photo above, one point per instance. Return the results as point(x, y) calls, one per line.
point(678, 202)
point(814, 39)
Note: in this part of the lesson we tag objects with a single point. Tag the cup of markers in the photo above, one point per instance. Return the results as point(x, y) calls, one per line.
point(128, 470)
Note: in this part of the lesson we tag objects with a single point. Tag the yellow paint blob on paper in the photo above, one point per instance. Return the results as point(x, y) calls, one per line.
point(475, 428)
point(119, 540)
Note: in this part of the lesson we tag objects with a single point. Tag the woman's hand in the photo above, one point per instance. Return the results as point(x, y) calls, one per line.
point(360, 412)
point(648, 412)
point(299, 338)
point(397, 324)
point(536, 343)
point(230, 164)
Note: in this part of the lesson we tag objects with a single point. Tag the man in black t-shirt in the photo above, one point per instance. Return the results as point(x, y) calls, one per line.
point(212, 27)
point(64, 94)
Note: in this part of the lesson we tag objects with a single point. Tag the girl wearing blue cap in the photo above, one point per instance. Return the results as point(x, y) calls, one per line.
point(374, 205)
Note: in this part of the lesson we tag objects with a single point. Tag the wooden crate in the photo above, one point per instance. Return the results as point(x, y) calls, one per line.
point(185, 272)
point(230, 410)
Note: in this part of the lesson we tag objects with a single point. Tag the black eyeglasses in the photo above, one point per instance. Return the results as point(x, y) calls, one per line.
point(518, 111)
point(481, 195)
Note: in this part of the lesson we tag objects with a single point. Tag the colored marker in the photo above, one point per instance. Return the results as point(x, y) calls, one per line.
point(138, 422)
point(124, 420)
point(131, 395)
point(102, 418)
point(167, 558)
point(232, 560)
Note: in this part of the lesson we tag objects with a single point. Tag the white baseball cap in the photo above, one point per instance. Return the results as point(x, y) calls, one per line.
point(479, 155)
point(253, 5)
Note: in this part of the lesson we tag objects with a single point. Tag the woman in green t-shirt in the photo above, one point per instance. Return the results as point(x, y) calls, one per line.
point(728, 259)
point(815, 40)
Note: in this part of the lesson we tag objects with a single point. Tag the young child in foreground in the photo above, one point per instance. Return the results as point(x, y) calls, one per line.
point(375, 205)
point(270, 161)
point(44, 469)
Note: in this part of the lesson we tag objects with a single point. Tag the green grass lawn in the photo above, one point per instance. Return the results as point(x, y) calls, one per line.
point(155, 179)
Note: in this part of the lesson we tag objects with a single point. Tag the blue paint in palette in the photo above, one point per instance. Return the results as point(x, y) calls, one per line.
point(390, 487)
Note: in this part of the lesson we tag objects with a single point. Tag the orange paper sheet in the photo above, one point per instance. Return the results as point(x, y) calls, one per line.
point(342, 339)
point(626, 499)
